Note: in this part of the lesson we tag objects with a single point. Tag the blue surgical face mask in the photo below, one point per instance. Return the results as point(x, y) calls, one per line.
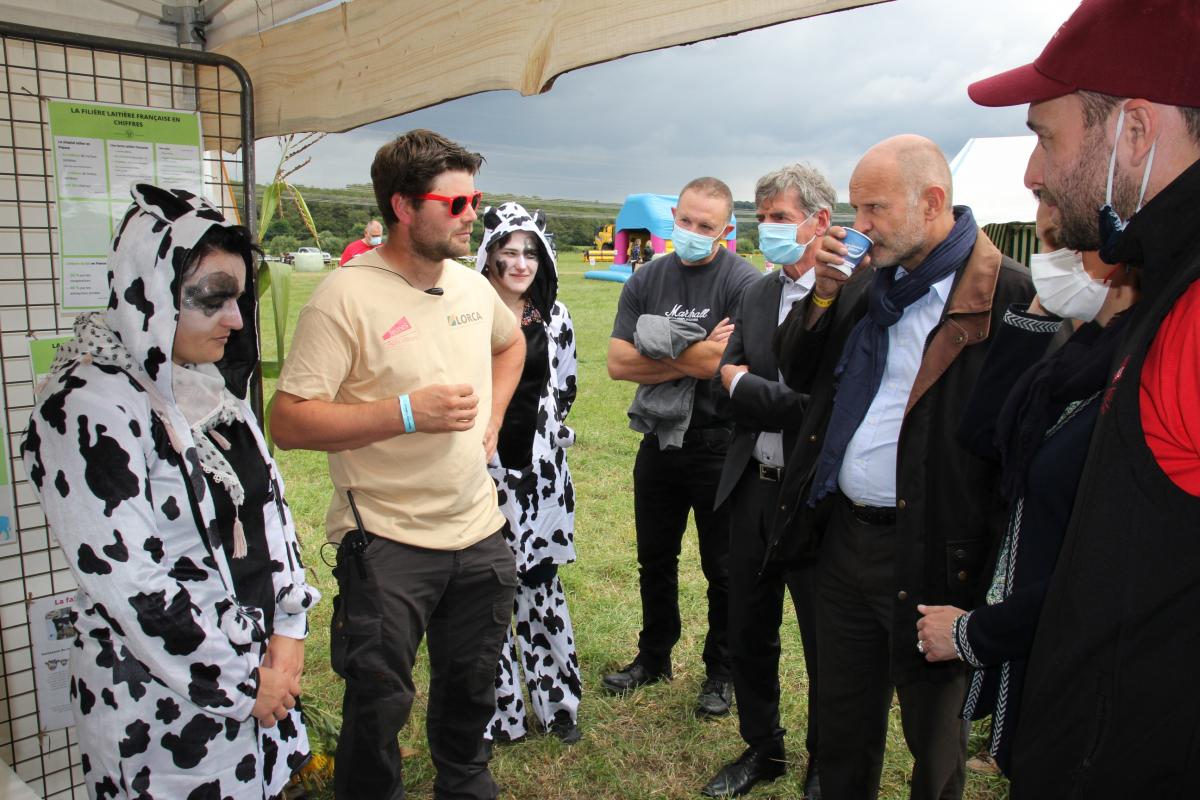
point(376, 240)
point(691, 247)
point(777, 241)
point(1111, 224)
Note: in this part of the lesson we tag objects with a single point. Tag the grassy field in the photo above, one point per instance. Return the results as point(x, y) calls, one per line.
point(648, 745)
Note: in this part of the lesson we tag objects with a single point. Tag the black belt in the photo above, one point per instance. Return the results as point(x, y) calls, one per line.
point(769, 473)
point(718, 434)
point(871, 515)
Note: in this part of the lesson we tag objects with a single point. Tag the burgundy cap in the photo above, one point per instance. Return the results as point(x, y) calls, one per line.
point(1125, 48)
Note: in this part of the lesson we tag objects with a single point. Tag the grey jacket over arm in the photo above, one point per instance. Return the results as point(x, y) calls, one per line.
point(664, 409)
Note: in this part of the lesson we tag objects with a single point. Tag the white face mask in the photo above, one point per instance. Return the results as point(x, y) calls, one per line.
point(1111, 223)
point(1064, 287)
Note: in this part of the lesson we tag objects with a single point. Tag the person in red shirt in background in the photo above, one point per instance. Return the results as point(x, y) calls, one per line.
point(1109, 708)
point(372, 238)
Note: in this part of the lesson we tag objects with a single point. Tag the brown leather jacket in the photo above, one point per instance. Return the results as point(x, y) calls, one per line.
point(949, 512)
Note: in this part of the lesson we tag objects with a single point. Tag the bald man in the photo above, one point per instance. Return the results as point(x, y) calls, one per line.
point(372, 237)
point(896, 512)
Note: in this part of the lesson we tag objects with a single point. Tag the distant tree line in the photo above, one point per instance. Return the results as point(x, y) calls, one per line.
point(341, 214)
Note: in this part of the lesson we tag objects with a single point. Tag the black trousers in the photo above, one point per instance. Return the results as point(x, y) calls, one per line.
point(856, 588)
point(666, 485)
point(756, 612)
point(461, 601)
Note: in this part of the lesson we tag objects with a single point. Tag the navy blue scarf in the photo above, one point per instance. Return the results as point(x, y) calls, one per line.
point(860, 369)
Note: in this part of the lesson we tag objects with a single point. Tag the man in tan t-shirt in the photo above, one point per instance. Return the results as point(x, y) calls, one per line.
point(392, 359)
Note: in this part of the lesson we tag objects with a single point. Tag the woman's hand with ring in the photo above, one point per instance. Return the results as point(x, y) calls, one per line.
point(935, 632)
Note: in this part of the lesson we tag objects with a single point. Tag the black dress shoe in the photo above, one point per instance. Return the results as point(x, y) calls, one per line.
point(715, 698)
point(740, 777)
point(812, 781)
point(631, 677)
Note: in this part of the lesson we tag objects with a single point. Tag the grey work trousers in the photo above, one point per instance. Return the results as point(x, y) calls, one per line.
point(390, 595)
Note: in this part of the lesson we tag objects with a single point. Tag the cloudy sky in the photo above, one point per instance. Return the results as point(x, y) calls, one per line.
point(821, 90)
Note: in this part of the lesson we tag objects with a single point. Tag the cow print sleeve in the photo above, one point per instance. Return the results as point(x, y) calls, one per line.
point(293, 594)
point(566, 363)
point(150, 572)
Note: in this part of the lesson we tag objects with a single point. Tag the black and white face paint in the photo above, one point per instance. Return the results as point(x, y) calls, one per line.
point(208, 308)
point(210, 293)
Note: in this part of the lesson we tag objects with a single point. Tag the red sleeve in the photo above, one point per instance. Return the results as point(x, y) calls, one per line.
point(352, 249)
point(1170, 393)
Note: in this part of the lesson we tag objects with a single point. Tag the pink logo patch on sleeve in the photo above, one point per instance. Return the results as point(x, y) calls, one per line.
point(402, 326)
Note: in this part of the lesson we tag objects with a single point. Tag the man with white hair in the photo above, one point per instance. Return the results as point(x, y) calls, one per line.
point(793, 205)
point(1109, 708)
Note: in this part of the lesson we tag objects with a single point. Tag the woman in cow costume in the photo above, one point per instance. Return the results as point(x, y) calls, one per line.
point(533, 483)
point(156, 482)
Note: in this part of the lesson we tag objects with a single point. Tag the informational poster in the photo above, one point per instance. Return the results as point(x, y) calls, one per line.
point(100, 150)
point(41, 355)
point(51, 634)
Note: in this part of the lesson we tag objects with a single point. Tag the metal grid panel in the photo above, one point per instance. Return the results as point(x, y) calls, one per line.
point(36, 66)
point(1017, 240)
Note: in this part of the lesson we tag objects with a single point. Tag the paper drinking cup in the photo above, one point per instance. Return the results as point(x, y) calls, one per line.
point(857, 245)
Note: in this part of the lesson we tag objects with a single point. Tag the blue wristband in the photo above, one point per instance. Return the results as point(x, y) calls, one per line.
point(410, 424)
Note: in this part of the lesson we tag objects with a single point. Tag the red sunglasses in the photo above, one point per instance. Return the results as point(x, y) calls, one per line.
point(458, 203)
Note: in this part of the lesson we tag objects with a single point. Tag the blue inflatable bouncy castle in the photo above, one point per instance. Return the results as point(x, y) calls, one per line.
point(645, 217)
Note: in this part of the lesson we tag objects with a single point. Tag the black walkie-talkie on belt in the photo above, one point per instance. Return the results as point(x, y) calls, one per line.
point(355, 542)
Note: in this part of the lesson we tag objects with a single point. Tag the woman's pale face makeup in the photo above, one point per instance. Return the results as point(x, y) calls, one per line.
point(208, 308)
point(512, 267)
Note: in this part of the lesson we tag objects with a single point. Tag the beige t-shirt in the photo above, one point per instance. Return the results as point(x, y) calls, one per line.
point(365, 335)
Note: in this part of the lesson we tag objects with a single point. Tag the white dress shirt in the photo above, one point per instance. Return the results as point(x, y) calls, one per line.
point(768, 448)
point(868, 474)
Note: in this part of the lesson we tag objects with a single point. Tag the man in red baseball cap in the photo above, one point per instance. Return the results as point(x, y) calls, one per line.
point(1109, 708)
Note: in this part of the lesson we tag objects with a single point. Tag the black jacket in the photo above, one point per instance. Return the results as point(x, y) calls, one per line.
point(1110, 707)
point(949, 512)
point(761, 402)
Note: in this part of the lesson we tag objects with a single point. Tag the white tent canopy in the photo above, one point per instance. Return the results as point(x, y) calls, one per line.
point(989, 177)
point(318, 65)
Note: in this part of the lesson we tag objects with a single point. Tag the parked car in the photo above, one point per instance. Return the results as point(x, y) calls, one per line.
point(325, 257)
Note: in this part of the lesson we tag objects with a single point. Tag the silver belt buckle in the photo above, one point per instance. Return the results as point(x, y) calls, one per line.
point(769, 473)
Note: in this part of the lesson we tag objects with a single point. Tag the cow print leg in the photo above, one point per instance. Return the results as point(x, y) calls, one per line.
point(547, 643)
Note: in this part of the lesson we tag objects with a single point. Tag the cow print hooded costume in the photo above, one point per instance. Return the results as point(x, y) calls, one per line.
point(537, 498)
point(141, 467)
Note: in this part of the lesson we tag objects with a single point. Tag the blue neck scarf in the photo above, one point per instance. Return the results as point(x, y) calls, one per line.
point(860, 369)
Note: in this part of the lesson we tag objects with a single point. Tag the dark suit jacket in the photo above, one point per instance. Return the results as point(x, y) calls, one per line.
point(761, 401)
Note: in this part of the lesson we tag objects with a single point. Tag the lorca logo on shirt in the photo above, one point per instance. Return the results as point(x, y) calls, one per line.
point(465, 318)
point(687, 313)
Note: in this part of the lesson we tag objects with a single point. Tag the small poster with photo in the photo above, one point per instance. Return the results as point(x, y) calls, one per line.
point(52, 633)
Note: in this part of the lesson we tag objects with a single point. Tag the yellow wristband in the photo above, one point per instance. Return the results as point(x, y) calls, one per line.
point(822, 302)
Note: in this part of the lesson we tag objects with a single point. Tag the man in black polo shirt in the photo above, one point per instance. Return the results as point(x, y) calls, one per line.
point(701, 282)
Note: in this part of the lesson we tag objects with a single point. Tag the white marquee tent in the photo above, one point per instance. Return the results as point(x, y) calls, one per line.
point(989, 177)
point(318, 65)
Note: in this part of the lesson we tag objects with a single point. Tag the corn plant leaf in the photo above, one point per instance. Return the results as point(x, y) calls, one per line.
point(270, 203)
point(277, 277)
point(302, 207)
